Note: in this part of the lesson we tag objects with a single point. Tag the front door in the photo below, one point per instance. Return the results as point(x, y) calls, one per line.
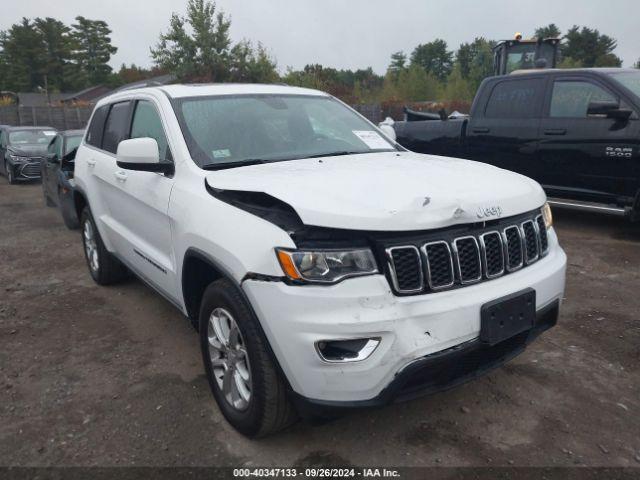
point(504, 131)
point(588, 156)
point(139, 207)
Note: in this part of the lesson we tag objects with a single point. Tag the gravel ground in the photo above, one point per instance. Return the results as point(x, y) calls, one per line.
point(94, 376)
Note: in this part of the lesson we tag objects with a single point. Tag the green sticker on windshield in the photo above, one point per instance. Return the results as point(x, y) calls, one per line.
point(221, 153)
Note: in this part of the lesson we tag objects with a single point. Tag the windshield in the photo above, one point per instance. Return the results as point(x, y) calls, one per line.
point(523, 56)
point(233, 130)
point(630, 80)
point(72, 142)
point(31, 137)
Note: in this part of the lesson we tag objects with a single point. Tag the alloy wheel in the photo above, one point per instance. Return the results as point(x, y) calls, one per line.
point(90, 246)
point(229, 359)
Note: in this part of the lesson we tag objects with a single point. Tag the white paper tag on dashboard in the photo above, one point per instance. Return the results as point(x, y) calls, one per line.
point(372, 139)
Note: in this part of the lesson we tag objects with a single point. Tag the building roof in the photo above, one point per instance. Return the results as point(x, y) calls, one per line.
point(88, 94)
point(39, 99)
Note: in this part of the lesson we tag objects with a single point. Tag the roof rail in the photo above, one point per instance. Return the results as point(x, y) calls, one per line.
point(149, 83)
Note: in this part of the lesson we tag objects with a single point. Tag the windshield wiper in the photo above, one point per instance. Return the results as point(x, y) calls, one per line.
point(333, 154)
point(241, 163)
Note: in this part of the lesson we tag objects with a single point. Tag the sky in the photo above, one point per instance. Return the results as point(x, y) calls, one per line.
point(345, 33)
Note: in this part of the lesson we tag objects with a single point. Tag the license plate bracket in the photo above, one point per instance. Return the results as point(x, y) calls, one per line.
point(505, 317)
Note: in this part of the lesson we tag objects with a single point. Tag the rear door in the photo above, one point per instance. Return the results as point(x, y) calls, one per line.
point(101, 160)
point(504, 126)
point(587, 156)
point(139, 204)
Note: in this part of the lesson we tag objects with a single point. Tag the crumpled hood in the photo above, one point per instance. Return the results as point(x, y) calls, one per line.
point(27, 150)
point(388, 191)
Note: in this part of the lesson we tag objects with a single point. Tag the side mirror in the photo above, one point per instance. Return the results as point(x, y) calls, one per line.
point(609, 109)
point(52, 158)
point(141, 154)
point(387, 128)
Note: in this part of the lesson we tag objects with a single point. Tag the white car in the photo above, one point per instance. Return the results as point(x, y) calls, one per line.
point(324, 265)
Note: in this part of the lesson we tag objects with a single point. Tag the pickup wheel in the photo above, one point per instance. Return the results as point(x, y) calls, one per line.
point(243, 378)
point(104, 268)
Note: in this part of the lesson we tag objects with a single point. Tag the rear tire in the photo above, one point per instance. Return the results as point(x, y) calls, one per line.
point(254, 397)
point(105, 269)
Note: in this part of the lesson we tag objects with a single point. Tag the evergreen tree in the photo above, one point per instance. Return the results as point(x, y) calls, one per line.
point(57, 47)
point(93, 50)
point(434, 58)
point(197, 47)
point(590, 48)
point(549, 31)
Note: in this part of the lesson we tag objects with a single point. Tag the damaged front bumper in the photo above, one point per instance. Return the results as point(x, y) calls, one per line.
point(416, 334)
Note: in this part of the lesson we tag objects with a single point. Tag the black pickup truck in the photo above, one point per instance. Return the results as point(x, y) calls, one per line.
point(577, 132)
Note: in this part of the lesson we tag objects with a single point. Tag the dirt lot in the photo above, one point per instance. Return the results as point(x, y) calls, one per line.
point(113, 376)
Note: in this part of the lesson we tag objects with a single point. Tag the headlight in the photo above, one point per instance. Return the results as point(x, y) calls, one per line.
point(546, 214)
point(17, 158)
point(326, 266)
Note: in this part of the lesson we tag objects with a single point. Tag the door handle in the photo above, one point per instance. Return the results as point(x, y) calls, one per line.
point(121, 176)
point(481, 130)
point(555, 131)
point(91, 162)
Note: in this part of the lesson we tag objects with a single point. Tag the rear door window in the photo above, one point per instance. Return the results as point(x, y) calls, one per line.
point(515, 99)
point(116, 127)
point(571, 98)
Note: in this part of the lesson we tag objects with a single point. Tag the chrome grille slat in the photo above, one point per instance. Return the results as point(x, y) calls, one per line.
point(467, 259)
point(460, 261)
point(514, 255)
point(492, 249)
point(439, 265)
point(530, 241)
point(542, 235)
point(400, 260)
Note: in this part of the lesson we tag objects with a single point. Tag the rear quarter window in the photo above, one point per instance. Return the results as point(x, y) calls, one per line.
point(515, 99)
point(94, 132)
point(116, 126)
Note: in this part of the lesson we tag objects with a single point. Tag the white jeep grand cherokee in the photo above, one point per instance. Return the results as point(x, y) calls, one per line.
point(324, 265)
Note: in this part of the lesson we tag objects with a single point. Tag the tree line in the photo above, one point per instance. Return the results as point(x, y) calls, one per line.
point(44, 53)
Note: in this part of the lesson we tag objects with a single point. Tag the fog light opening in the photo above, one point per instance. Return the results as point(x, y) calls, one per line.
point(343, 351)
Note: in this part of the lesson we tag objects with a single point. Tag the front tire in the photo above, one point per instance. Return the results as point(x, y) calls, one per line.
point(243, 378)
point(10, 174)
point(104, 268)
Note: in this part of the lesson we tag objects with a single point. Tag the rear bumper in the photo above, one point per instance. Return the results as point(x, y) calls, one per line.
point(442, 370)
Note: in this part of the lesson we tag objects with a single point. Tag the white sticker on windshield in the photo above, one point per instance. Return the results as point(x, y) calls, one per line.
point(49, 134)
point(221, 153)
point(372, 139)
